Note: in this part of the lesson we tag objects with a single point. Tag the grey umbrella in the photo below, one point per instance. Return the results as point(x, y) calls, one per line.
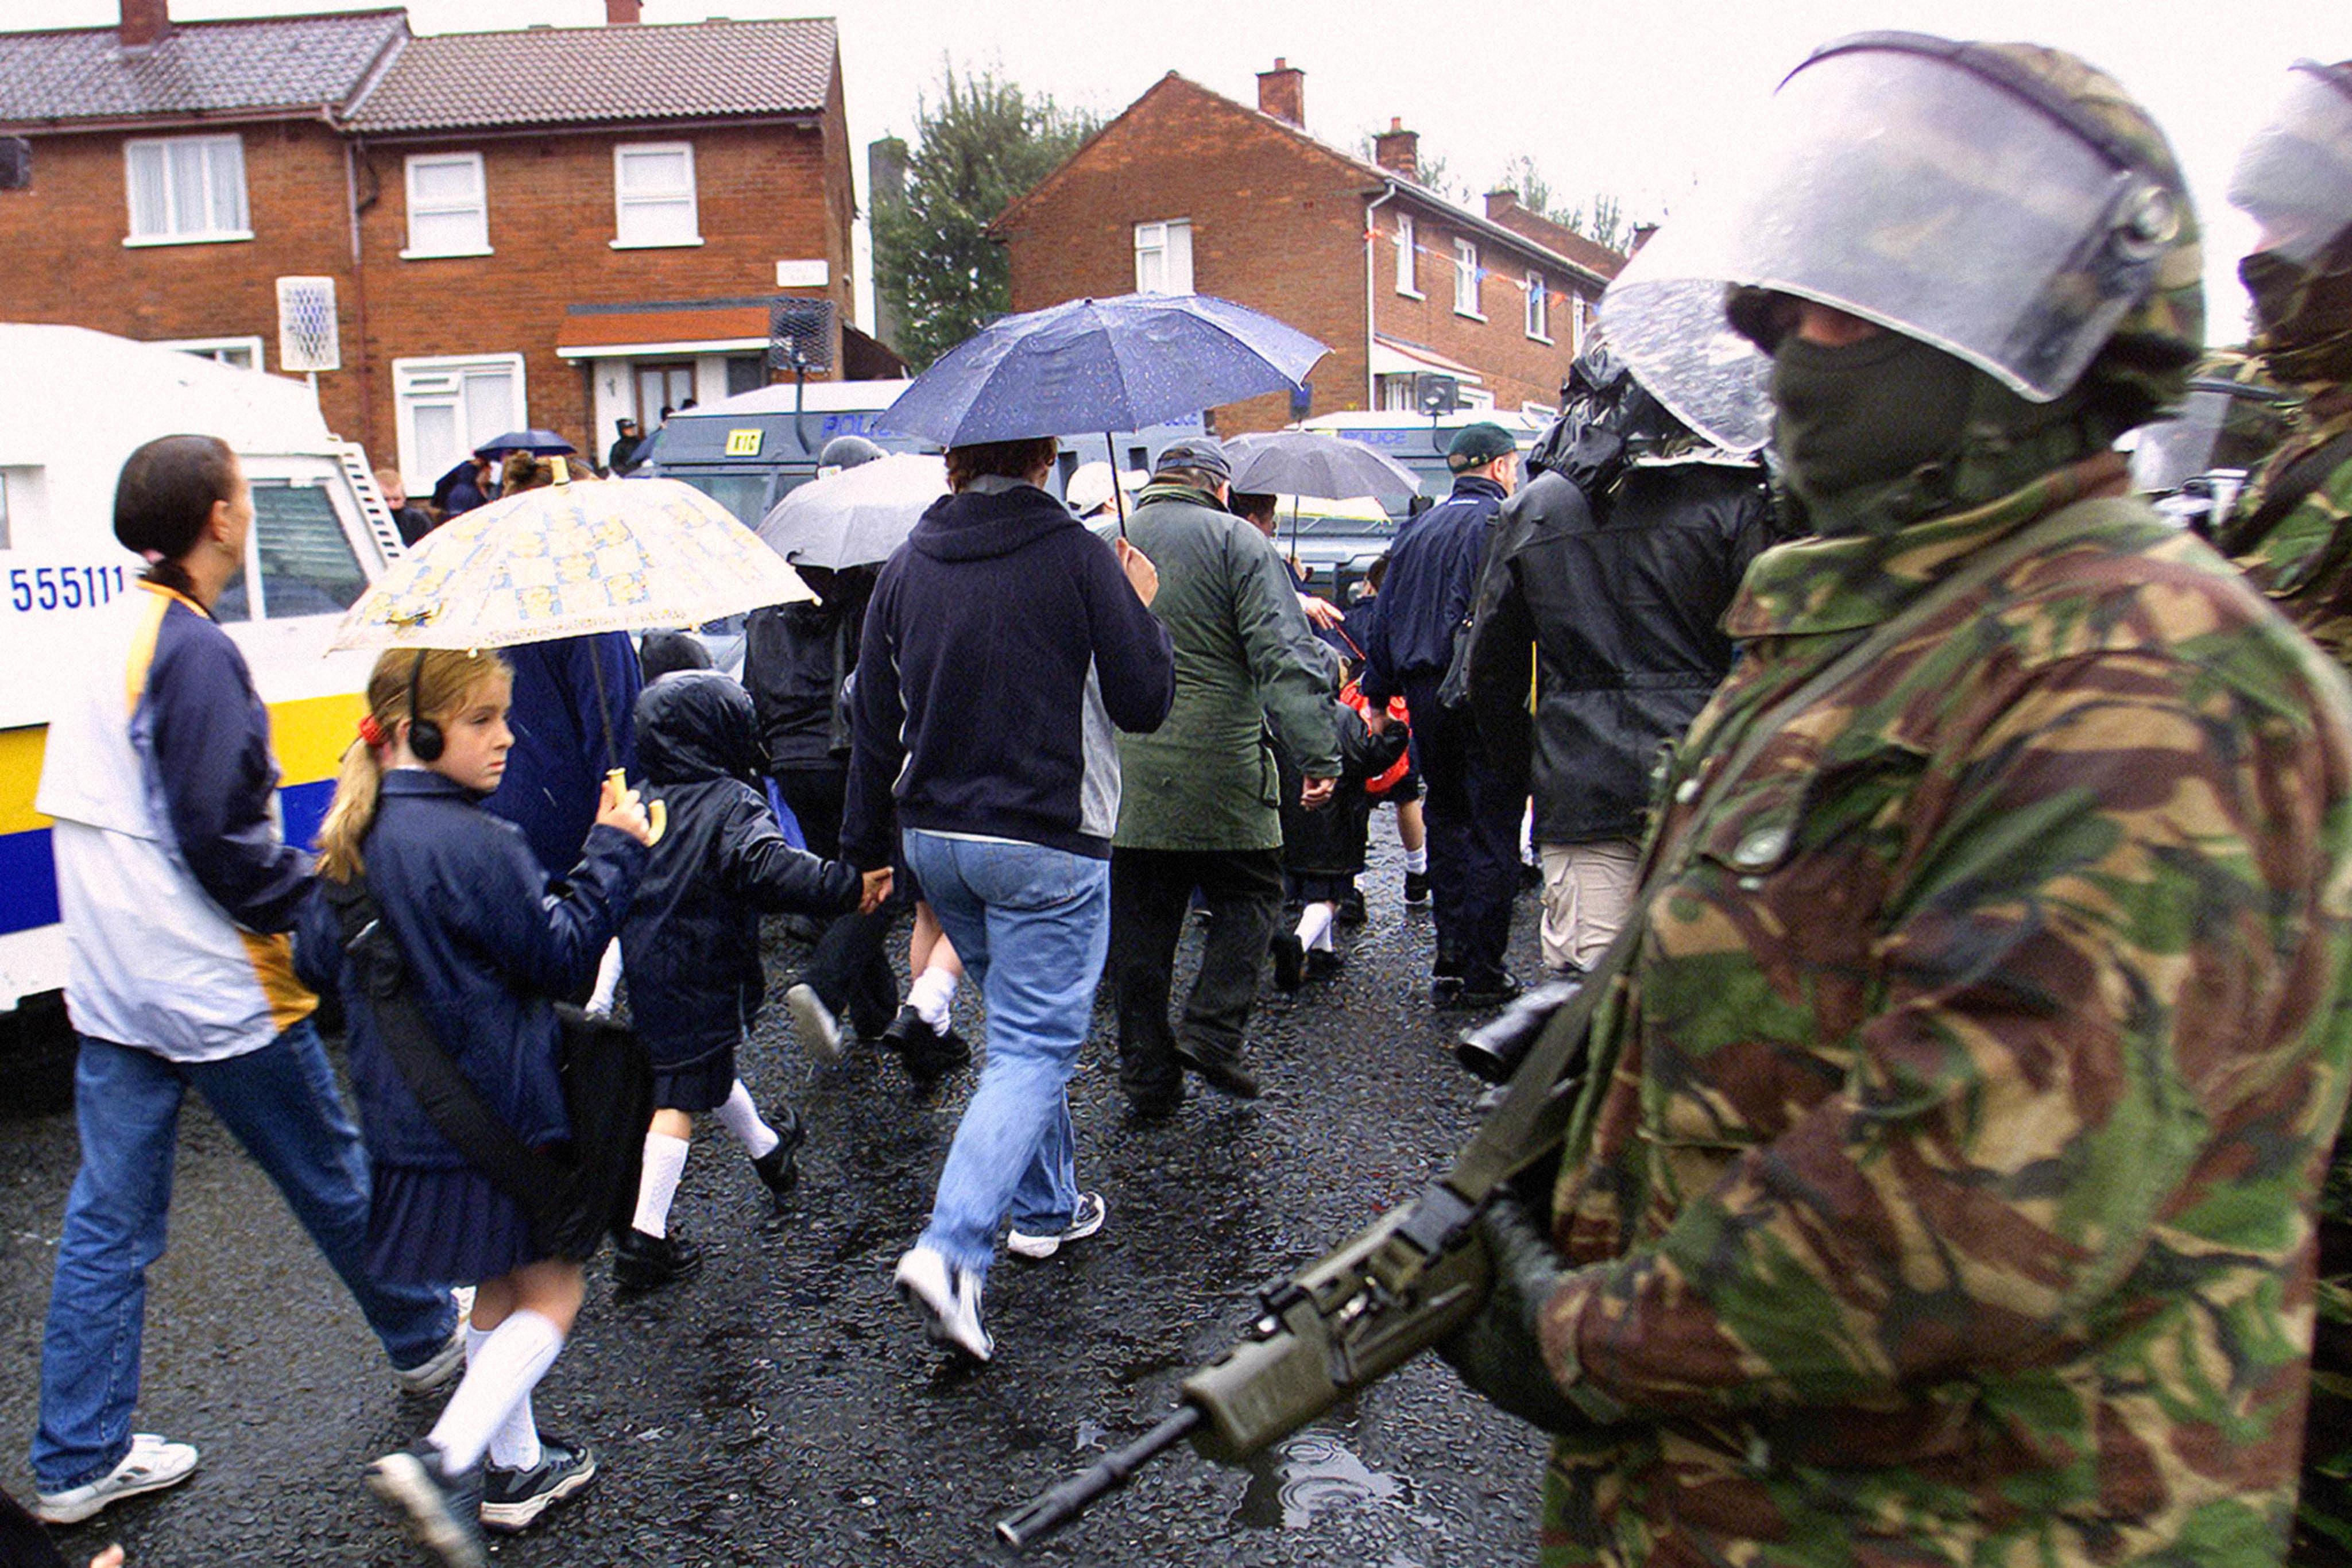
point(1313, 463)
point(858, 516)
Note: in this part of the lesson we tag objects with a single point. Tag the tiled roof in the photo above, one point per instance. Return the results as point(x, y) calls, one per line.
point(200, 68)
point(572, 76)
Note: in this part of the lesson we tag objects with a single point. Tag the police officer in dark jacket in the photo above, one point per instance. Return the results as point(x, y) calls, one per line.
point(1614, 565)
point(1473, 809)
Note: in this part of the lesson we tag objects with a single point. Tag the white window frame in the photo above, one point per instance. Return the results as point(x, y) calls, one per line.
point(1580, 323)
point(162, 145)
point(622, 198)
point(405, 403)
point(218, 349)
point(1465, 279)
point(480, 205)
point(1408, 259)
point(1539, 307)
point(1170, 240)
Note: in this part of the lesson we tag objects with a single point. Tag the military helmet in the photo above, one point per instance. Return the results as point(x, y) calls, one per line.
point(2006, 203)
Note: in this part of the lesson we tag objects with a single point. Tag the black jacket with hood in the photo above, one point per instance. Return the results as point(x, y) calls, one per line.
point(1003, 645)
point(692, 939)
point(1605, 590)
point(796, 660)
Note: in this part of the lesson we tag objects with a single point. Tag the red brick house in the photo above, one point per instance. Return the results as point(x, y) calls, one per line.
point(555, 227)
point(1188, 191)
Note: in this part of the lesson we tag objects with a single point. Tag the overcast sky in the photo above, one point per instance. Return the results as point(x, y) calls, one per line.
point(1626, 99)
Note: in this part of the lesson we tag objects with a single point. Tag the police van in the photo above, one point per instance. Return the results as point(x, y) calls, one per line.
point(320, 532)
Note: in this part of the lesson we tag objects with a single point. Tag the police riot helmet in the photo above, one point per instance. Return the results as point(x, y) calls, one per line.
point(847, 452)
point(2005, 203)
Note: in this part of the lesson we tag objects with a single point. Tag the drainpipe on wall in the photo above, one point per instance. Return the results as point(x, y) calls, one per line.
point(352, 151)
point(1371, 270)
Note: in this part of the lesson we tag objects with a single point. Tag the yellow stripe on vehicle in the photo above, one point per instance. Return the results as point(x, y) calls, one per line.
point(309, 736)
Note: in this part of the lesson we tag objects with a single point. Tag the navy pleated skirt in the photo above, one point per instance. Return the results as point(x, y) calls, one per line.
point(443, 1227)
point(701, 1086)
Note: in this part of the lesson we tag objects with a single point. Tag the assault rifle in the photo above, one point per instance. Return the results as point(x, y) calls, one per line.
point(1352, 1317)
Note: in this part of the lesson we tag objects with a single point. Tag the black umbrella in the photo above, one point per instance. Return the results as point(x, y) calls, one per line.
point(540, 443)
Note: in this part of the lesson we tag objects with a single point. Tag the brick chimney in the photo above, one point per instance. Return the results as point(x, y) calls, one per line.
point(1642, 233)
point(621, 12)
point(145, 23)
point(1397, 150)
point(1499, 203)
point(1282, 92)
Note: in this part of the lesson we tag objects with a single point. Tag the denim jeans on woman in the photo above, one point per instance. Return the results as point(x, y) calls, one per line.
point(281, 1104)
point(1032, 925)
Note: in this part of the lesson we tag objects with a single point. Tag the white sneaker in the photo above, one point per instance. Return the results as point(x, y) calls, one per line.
point(1086, 1219)
point(444, 1366)
point(814, 1022)
point(151, 1465)
point(948, 1298)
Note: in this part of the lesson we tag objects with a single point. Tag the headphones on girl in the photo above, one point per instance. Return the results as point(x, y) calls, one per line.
point(424, 742)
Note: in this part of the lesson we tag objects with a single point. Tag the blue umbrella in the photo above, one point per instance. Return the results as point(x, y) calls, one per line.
point(541, 442)
point(1101, 364)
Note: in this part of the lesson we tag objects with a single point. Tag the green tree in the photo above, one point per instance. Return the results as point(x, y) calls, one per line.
point(980, 145)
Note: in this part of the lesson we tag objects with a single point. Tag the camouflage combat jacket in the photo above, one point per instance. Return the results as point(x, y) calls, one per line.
point(1958, 1125)
point(2303, 561)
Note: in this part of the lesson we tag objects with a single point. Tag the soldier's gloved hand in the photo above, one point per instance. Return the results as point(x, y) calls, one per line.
point(1497, 1352)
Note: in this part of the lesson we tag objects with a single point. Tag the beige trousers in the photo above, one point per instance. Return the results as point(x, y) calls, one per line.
point(1585, 890)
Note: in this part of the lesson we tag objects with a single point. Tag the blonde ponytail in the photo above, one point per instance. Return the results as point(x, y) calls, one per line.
point(436, 682)
point(352, 813)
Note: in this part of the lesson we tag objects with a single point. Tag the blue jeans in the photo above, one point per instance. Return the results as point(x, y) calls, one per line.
point(1031, 924)
point(280, 1103)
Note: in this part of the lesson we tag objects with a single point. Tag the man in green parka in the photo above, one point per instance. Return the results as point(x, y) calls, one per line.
point(1198, 804)
point(1942, 1193)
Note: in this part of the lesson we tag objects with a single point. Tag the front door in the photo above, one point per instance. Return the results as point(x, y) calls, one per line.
point(660, 387)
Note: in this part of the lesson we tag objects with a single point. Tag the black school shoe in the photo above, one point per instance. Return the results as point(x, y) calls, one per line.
point(441, 1512)
point(513, 1500)
point(1289, 961)
point(643, 1262)
point(927, 1054)
point(1417, 887)
point(1484, 994)
point(777, 1169)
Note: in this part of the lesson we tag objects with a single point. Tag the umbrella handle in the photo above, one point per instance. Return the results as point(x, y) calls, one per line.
point(1117, 491)
point(656, 811)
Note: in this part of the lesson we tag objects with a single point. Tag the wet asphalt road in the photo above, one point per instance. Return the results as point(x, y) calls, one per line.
point(783, 1407)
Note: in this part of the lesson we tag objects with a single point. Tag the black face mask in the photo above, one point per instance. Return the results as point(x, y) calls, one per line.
point(1865, 416)
point(2302, 314)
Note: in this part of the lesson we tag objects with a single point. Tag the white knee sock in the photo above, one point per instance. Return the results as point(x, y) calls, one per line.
point(665, 1159)
point(608, 980)
point(1417, 861)
point(931, 994)
point(515, 1445)
point(500, 1375)
point(742, 1118)
point(1315, 927)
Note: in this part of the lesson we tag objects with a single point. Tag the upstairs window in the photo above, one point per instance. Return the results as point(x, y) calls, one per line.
point(448, 206)
point(653, 195)
point(1465, 280)
point(185, 190)
point(1539, 309)
point(1163, 257)
point(1405, 256)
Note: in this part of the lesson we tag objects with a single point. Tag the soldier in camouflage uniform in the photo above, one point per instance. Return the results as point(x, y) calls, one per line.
point(1941, 1192)
point(2292, 533)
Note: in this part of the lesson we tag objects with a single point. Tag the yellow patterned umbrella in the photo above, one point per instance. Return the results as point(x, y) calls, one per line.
point(567, 560)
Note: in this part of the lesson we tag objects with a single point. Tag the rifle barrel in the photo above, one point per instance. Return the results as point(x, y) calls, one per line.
point(1046, 1514)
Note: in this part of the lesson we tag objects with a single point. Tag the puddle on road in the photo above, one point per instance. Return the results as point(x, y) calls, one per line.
point(1310, 1474)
